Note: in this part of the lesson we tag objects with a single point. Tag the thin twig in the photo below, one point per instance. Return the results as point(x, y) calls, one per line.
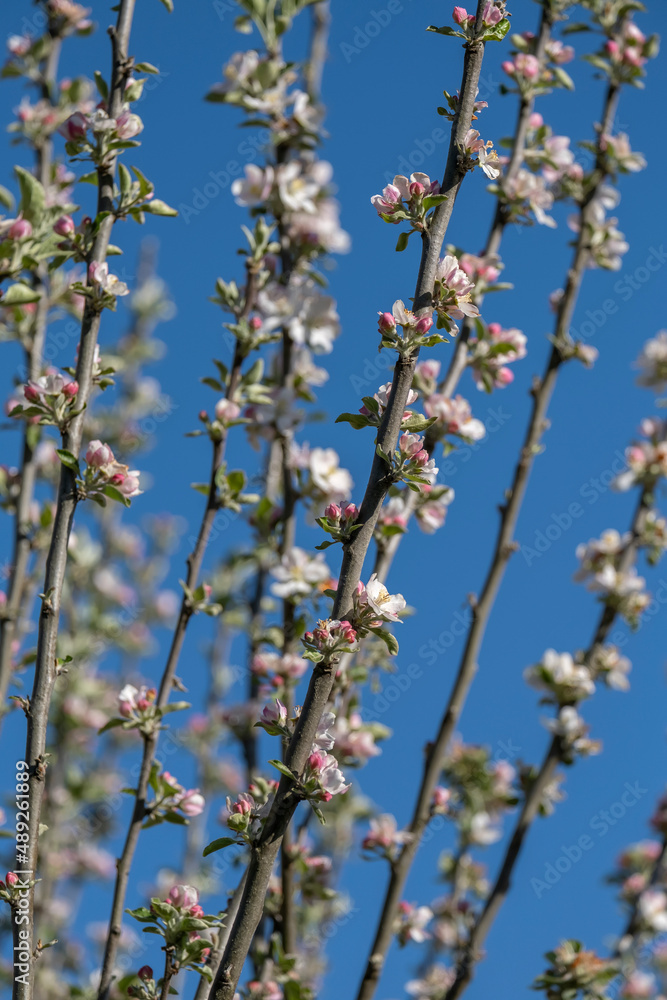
point(265, 850)
point(481, 609)
point(45, 664)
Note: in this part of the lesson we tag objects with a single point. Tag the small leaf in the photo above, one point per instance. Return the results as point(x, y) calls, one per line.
point(114, 494)
point(158, 207)
point(146, 67)
point(358, 420)
point(217, 845)
point(169, 4)
point(68, 459)
point(19, 294)
point(111, 724)
point(402, 241)
point(283, 768)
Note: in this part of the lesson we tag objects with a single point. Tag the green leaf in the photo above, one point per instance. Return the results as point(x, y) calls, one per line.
point(402, 241)
point(388, 638)
point(6, 198)
point(498, 32)
point(446, 30)
point(217, 845)
point(33, 198)
point(236, 480)
point(19, 294)
point(114, 494)
point(312, 654)
point(417, 422)
point(169, 4)
point(563, 78)
point(146, 67)
point(283, 768)
point(68, 459)
point(125, 178)
point(434, 199)
point(175, 706)
point(158, 207)
point(101, 85)
point(111, 724)
point(358, 420)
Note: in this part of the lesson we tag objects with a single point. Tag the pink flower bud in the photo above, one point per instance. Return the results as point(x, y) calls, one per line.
point(492, 15)
point(64, 226)
point(226, 410)
point(460, 14)
point(208, 590)
point(117, 479)
point(612, 47)
point(31, 393)
point(416, 189)
point(508, 67)
point(145, 972)
point(98, 454)
point(203, 416)
point(349, 511)
point(504, 375)
point(333, 512)
point(11, 879)
point(421, 458)
point(536, 120)
point(75, 127)
point(423, 324)
point(192, 802)
point(387, 323)
point(70, 390)
point(308, 636)
point(20, 229)
point(256, 323)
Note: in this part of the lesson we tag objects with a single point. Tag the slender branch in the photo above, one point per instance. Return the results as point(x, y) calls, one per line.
point(319, 39)
point(481, 609)
point(535, 793)
point(19, 576)
point(204, 986)
point(459, 360)
point(194, 564)
point(168, 975)
point(265, 850)
point(45, 664)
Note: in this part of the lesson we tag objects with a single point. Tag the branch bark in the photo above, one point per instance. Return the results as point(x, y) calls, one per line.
point(45, 665)
point(265, 850)
point(481, 609)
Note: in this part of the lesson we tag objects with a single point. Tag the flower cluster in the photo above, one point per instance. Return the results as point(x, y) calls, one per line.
point(647, 460)
point(564, 680)
point(299, 575)
point(622, 589)
point(452, 295)
point(454, 416)
point(178, 919)
point(524, 67)
point(331, 638)
point(652, 362)
point(408, 200)
point(374, 604)
point(573, 970)
point(411, 923)
point(51, 399)
point(487, 157)
point(414, 329)
point(137, 710)
point(384, 839)
point(338, 521)
point(97, 134)
point(572, 732)
point(104, 476)
point(322, 777)
point(491, 351)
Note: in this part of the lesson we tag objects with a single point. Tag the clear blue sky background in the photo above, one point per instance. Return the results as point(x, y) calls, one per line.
point(382, 102)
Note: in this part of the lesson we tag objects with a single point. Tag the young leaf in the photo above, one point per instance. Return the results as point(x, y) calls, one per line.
point(217, 845)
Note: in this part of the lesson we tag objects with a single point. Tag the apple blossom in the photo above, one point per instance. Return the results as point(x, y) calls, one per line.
point(455, 417)
point(606, 662)
point(387, 606)
point(191, 802)
point(453, 291)
point(226, 411)
point(133, 701)
point(75, 127)
point(322, 778)
point(183, 897)
point(104, 282)
point(20, 229)
point(256, 187)
point(384, 837)
point(327, 476)
point(411, 923)
point(564, 680)
point(652, 909)
point(573, 732)
point(298, 574)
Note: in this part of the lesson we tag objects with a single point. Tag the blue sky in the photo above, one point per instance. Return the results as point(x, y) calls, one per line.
point(381, 99)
